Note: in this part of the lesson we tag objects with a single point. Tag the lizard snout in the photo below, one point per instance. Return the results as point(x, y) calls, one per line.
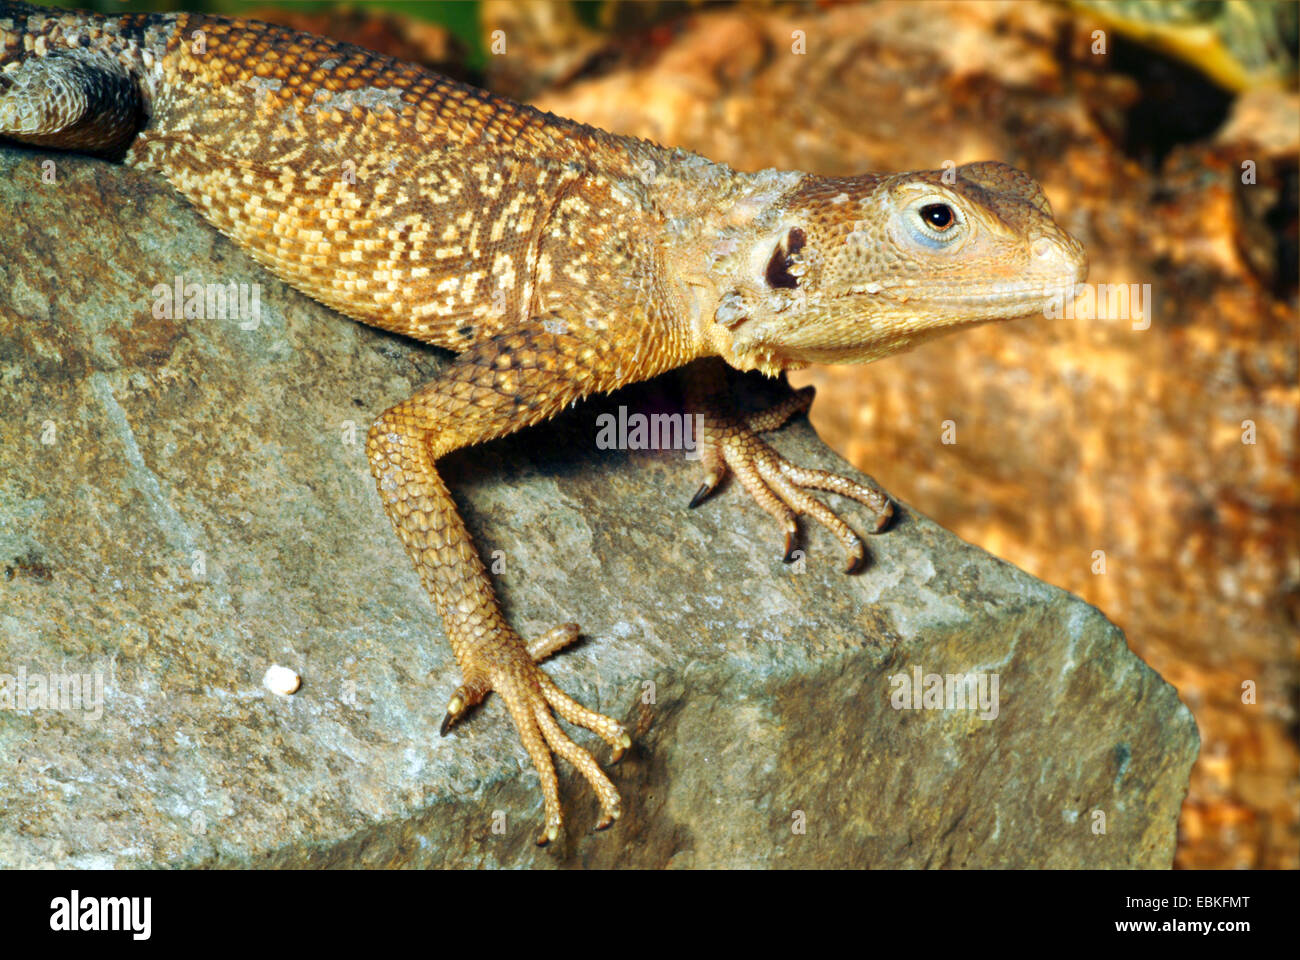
point(1062, 257)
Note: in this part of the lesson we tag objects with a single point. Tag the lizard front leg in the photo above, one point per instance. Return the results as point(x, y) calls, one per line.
point(495, 388)
point(731, 442)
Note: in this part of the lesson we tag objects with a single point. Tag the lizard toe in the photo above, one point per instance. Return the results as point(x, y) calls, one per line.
point(780, 487)
point(534, 701)
point(467, 695)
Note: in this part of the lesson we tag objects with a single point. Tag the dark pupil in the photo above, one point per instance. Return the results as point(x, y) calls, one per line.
point(937, 215)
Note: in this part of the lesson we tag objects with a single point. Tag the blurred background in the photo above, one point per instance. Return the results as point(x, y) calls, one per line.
point(1151, 471)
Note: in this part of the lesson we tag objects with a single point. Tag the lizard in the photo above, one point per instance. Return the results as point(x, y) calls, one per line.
point(554, 259)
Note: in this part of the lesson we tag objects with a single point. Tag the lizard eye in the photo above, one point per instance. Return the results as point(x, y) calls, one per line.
point(938, 216)
point(935, 222)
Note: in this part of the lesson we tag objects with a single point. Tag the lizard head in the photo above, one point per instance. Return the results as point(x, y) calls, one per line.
point(848, 270)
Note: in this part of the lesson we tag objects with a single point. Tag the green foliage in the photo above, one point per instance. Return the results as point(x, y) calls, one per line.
point(460, 18)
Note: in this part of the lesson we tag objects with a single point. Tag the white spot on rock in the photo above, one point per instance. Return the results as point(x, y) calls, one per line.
point(281, 680)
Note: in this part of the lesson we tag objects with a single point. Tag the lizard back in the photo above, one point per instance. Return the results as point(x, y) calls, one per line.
point(390, 193)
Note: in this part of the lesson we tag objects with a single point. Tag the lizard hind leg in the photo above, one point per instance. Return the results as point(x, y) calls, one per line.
point(731, 443)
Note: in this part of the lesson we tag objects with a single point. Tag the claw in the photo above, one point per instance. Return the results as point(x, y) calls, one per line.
point(455, 707)
point(856, 556)
point(548, 835)
point(789, 547)
point(884, 517)
point(621, 748)
point(700, 496)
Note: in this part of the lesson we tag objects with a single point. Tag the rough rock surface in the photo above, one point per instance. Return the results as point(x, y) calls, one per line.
point(185, 502)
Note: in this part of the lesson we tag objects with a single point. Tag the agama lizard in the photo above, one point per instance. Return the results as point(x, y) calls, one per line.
point(557, 261)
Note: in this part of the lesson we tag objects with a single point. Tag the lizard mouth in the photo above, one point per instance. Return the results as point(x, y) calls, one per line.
point(1029, 296)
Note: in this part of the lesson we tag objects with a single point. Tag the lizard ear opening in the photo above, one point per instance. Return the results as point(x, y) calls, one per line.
point(785, 267)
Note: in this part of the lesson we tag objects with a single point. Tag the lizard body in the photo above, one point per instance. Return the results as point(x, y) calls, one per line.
point(555, 259)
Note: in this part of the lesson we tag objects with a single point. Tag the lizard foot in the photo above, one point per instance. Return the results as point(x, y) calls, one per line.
point(532, 699)
point(779, 486)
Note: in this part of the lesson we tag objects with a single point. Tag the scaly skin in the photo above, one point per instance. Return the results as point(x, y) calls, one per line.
point(555, 259)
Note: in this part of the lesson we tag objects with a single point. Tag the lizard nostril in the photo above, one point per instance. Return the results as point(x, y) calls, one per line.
point(1043, 248)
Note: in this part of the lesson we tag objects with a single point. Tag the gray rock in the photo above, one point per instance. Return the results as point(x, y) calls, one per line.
point(184, 503)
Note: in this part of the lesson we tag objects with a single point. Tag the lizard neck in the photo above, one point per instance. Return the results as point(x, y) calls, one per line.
point(714, 218)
